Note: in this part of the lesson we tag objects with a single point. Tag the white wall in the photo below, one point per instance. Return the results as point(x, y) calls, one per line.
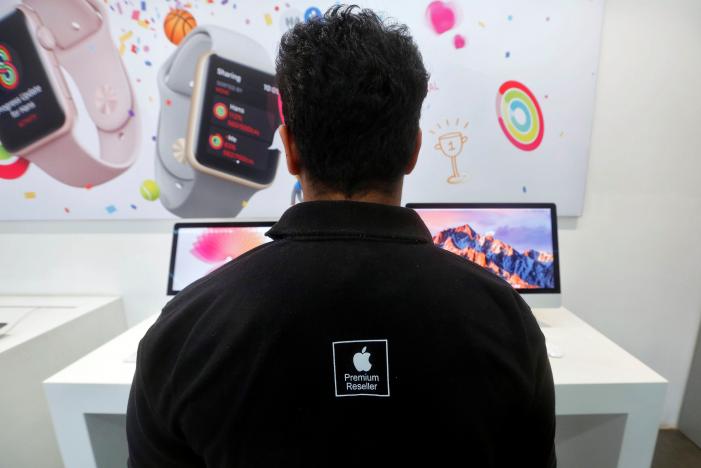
point(632, 267)
point(631, 264)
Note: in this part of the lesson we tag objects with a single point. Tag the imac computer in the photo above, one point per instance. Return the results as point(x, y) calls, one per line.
point(200, 248)
point(516, 241)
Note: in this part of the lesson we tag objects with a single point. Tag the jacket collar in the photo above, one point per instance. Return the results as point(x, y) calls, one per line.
point(350, 220)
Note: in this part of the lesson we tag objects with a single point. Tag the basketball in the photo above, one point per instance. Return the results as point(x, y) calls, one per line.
point(178, 24)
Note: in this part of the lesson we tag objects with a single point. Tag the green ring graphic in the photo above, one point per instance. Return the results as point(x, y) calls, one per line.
point(511, 95)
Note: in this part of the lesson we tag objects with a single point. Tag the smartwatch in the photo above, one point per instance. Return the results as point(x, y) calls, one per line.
point(219, 114)
point(37, 112)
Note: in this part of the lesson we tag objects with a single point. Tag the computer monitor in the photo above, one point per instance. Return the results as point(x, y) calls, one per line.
point(516, 241)
point(200, 248)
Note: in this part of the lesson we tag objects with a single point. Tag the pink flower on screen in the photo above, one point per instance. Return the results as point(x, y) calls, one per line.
point(220, 245)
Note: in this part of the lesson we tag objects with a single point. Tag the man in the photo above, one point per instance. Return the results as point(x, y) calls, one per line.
point(350, 340)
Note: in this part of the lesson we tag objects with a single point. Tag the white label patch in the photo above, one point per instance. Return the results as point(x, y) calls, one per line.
point(361, 368)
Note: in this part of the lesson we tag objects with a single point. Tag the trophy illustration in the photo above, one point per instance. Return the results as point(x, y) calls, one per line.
point(451, 145)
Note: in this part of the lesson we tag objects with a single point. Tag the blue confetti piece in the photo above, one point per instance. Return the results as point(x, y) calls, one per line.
point(507, 54)
point(143, 6)
point(153, 138)
point(510, 17)
point(525, 190)
point(131, 113)
point(224, 2)
point(133, 207)
point(111, 209)
point(148, 63)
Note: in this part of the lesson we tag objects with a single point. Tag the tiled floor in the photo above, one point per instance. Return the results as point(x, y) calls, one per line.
point(676, 451)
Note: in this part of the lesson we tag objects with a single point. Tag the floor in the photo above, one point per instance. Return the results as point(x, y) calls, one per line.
point(674, 450)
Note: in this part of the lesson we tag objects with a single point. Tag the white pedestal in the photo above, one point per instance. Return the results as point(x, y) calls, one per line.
point(608, 403)
point(56, 332)
point(597, 377)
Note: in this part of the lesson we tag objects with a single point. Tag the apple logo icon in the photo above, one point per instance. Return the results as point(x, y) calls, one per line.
point(361, 360)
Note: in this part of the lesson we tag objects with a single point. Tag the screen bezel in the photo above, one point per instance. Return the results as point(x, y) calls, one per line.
point(553, 221)
point(58, 86)
point(197, 112)
point(224, 224)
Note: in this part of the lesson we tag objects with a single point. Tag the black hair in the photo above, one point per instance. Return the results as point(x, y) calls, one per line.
point(352, 86)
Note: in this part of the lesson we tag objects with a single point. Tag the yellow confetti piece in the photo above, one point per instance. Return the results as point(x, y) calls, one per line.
point(30, 195)
point(126, 36)
point(562, 134)
point(143, 23)
point(244, 203)
point(121, 49)
point(482, 24)
point(268, 19)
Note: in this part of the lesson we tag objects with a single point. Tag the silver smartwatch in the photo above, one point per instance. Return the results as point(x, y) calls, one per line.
point(219, 113)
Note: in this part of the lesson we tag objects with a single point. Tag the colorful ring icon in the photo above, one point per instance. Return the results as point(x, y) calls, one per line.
point(520, 117)
point(11, 167)
point(216, 141)
point(221, 112)
point(312, 13)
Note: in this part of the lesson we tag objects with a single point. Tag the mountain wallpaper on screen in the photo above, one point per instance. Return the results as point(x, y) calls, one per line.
point(523, 270)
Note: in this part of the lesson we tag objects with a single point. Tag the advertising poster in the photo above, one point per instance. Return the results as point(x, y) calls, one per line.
point(146, 109)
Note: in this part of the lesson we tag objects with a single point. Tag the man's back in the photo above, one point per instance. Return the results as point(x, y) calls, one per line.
point(349, 341)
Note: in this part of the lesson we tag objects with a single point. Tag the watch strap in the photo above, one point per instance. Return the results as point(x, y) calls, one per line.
point(203, 196)
point(67, 161)
point(80, 30)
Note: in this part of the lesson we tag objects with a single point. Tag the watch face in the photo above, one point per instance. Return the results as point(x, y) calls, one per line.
point(29, 107)
point(238, 119)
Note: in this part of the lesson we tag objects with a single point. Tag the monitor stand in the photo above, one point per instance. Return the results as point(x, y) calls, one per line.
point(543, 301)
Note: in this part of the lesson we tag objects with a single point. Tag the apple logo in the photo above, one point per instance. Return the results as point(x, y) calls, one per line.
point(361, 360)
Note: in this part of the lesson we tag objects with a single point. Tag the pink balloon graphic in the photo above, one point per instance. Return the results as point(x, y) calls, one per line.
point(441, 16)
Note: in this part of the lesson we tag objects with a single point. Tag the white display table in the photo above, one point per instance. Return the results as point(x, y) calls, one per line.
point(608, 403)
point(54, 333)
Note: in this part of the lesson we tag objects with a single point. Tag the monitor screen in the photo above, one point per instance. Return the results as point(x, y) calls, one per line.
point(200, 248)
point(517, 242)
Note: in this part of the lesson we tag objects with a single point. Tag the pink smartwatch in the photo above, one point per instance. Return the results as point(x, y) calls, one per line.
point(37, 113)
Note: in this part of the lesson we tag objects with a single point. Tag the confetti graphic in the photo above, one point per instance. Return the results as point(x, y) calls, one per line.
point(123, 40)
point(519, 115)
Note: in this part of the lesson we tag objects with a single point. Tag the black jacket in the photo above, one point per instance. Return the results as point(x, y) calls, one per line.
point(348, 341)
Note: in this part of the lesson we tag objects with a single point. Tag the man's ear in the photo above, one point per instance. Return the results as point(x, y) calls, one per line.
point(414, 157)
point(291, 151)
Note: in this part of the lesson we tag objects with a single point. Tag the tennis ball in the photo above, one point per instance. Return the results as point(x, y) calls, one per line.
point(150, 190)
